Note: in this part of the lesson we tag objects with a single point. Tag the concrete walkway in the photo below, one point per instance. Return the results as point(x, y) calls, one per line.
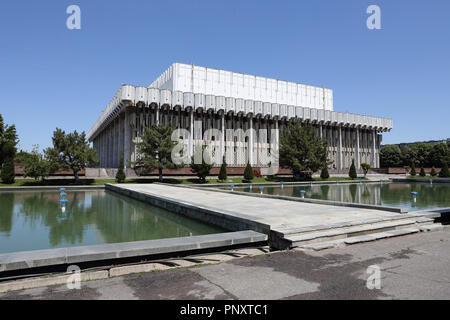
point(278, 214)
point(412, 267)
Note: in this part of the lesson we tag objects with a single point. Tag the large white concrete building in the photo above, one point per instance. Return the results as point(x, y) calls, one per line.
point(188, 94)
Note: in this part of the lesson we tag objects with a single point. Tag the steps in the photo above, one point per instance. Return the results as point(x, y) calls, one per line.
point(324, 237)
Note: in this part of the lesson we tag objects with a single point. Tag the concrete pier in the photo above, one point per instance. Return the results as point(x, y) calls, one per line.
point(280, 219)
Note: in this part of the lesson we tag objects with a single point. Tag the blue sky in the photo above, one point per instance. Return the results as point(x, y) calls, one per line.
point(54, 77)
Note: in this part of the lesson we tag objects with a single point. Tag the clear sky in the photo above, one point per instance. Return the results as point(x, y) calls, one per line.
point(54, 77)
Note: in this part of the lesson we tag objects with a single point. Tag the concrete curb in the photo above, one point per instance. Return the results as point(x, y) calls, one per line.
point(52, 188)
point(104, 252)
point(50, 281)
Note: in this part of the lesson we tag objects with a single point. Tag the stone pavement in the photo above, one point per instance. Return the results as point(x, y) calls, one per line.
point(279, 214)
point(412, 267)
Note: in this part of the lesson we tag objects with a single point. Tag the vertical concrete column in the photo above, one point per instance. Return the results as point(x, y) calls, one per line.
point(250, 141)
point(114, 147)
point(222, 134)
point(191, 136)
point(157, 115)
point(340, 148)
point(127, 141)
point(374, 149)
point(277, 133)
point(320, 131)
point(358, 156)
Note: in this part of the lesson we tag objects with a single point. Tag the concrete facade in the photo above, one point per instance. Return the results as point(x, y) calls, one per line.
point(261, 104)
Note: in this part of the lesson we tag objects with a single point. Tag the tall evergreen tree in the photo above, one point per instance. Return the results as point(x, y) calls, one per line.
point(422, 172)
point(248, 173)
point(352, 172)
point(8, 173)
point(223, 170)
point(120, 176)
point(301, 150)
point(155, 149)
point(444, 173)
point(8, 142)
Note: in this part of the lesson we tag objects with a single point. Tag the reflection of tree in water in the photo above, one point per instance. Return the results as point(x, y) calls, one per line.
point(6, 212)
point(63, 227)
point(325, 190)
point(120, 219)
point(353, 188)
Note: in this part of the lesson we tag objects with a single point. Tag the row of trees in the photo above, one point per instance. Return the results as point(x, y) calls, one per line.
point(417, 155)
point(301, 150)
point(70, 151)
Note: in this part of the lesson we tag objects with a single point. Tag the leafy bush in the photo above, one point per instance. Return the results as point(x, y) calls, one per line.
point(366, 167)
point(324, 175)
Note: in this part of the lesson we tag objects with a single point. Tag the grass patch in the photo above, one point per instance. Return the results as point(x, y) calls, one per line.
point(101, 182)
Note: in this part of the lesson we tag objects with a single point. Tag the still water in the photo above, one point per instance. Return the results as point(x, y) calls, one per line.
point(385, 194)
point(36, 220)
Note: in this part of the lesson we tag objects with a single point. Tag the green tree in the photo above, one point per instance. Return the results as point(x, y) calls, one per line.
point(120, 175)
point(413, 169)
point(391, 157)
point(248, 173)
point(8, 142)
point(324, 175)
point(301, 150)
point(223, 170)
point(71, 151)
point(35, 165)
point(366, 167)
point(203, 168)
point(422, 172)
point(433, 172)
point(444, 173)
point(8, 173)
point(352, 172)
point(155, 149)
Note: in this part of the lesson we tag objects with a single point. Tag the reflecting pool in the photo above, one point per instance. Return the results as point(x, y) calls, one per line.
point(32, 220)
point(429, 196)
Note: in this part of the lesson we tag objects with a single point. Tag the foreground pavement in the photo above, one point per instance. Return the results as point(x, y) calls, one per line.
point(412, 267)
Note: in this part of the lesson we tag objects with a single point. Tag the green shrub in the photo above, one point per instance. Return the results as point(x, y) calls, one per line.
point(413, 170)
point(366, 167)
point(8, 174)
point(422, 172)
point(223, 171)
point(324, 175)
point(352, 173)
point(433, 172)
point(120, 176)
point(444, 171)
point(248, 173)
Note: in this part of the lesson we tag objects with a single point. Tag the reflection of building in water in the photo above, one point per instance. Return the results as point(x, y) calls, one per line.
point(218, 99)
point(356, 193)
